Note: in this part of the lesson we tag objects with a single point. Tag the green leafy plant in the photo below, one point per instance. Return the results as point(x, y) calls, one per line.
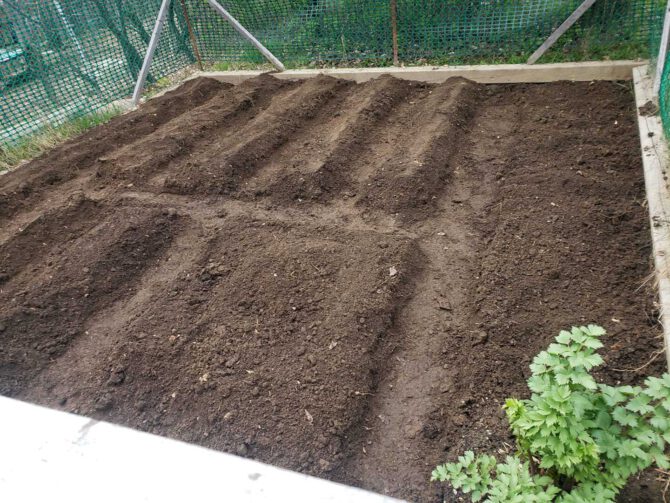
point(578, 440)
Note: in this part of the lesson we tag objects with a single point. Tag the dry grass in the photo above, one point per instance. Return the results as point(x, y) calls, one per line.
point(14, 154)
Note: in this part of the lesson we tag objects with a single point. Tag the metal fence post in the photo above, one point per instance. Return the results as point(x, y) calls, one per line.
point(149, 56)
point(243, 31)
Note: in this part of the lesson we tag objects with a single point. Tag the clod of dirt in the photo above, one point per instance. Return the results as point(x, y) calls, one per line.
point(480, 338)
point(648, 109)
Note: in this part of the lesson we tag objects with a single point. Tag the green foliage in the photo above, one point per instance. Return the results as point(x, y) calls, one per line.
point(505, 482)
point(585, 439)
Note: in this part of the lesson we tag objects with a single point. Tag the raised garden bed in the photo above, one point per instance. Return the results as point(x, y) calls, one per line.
point(342, 279)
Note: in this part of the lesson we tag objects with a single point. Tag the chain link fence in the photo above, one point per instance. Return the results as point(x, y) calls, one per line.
point(61, 59)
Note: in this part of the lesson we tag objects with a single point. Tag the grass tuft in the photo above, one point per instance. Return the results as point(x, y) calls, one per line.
point(14, 154)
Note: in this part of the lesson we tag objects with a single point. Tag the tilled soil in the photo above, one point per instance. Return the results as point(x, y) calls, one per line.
point(342, 279)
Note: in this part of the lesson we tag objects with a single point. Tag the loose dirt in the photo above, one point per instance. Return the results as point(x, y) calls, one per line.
point(342, 279)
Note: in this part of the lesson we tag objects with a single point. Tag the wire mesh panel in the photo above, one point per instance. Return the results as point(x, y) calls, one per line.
point(509, 30)
point(299, 32)
point(313, 32)
point(664, 96)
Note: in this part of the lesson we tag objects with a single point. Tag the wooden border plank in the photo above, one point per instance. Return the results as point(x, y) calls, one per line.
point(486, 74)
point(655, 162)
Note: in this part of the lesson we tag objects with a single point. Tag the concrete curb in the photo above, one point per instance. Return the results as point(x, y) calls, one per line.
point(48, 455)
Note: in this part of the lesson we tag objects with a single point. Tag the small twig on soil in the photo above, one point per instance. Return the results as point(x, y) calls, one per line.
point(646, 280)
point(655, 355)
point(317, 269)
point(627, 88)
point(665, 476)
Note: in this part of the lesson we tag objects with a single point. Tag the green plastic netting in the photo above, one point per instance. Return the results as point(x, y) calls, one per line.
point(61, 59)
point(314, 32)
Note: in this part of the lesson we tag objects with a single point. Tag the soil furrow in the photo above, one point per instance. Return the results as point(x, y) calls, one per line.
point(254, 146)
point(66, 161)
point(351, 134)
point(49, 310)
point(418, 166)
point(197, 129)
point(91, 362)
point(404, 416)
point(51, 230)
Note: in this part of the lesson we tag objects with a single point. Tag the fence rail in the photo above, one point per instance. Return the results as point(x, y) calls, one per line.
point(61, 59)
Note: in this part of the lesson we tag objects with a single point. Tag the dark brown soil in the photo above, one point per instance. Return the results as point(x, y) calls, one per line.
point(346, 280)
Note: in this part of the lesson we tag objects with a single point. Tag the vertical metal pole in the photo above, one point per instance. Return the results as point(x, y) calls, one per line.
point(149, 56)
point(662, 51)
point(243, 31)
point(191, 35)
point(394, 29)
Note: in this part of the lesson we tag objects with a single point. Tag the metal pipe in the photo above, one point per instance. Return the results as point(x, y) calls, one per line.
point(572, 19)
point(149, 56)
point(243, 31)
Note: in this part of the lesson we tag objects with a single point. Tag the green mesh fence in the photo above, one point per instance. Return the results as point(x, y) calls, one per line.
point(61, 59)
point(664, 96)
point(317, 32)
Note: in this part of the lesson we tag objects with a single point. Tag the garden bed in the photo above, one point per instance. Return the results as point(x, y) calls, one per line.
point(342, 279)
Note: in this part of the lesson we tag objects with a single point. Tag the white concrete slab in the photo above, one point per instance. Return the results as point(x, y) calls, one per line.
point(48, 455)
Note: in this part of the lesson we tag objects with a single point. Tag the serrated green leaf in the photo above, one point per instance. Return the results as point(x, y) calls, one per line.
point(640, 404)
point(584, 380)
point(596, 330)
point(559, 350)
point(660, 423)
point(603, 419)
point(623, 417)
point(594, 360)
point(564, 337)
point(537, 384)
point(578, 334)
point(593, 343)
point(611, 395)
point(581, 404)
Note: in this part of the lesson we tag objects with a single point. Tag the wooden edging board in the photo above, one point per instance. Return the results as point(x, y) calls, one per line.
point(486, 74)
point(655, 162)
